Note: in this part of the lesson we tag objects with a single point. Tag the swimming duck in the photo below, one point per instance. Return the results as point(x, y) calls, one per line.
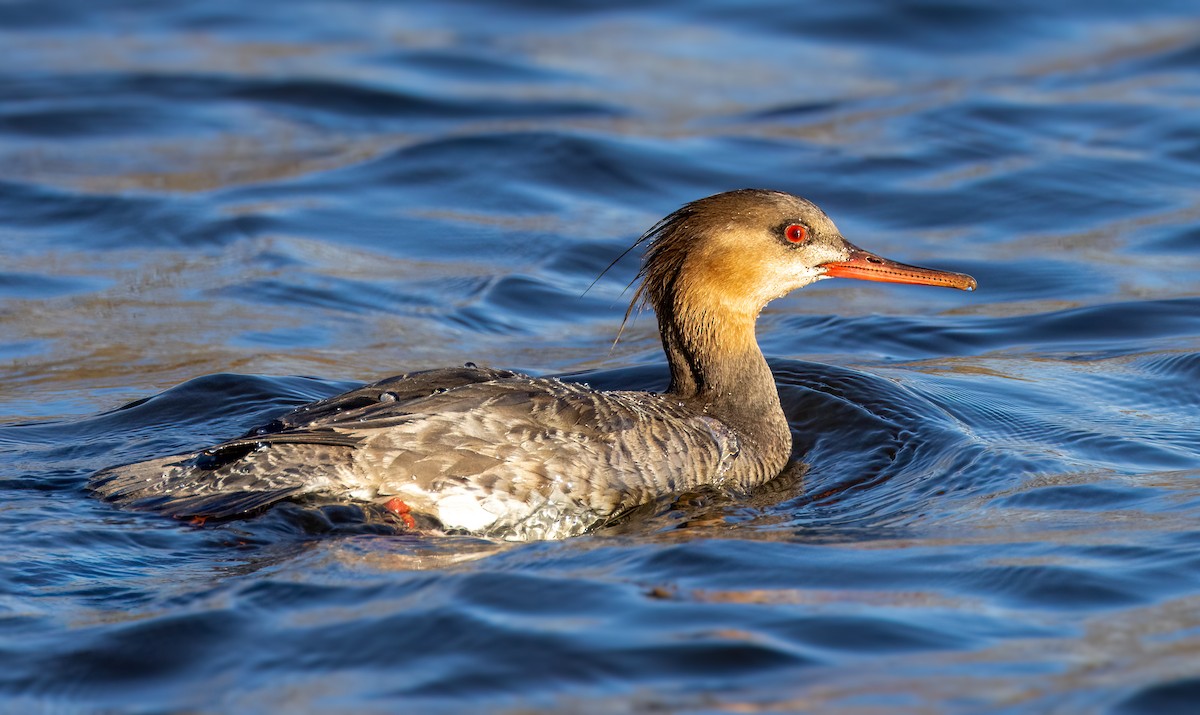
point(504, 455)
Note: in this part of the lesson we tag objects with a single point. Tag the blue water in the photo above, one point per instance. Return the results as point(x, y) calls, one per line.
point(211, 212)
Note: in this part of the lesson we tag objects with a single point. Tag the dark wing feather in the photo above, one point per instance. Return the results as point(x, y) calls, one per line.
point(393, 392)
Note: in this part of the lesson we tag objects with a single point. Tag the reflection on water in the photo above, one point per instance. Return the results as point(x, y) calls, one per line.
point(993, 505)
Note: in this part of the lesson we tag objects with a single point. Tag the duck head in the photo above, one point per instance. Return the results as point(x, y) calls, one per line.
point(734, 252)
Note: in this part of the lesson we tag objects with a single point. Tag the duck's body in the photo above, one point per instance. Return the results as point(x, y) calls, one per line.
point(500, 454)
point(488, 452)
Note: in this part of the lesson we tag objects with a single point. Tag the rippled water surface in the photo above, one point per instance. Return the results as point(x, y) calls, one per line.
point(211, 212)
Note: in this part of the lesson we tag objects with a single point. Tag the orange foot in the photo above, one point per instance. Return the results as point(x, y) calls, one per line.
point(397, 506)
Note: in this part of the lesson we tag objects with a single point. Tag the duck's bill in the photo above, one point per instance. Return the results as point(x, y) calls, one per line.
point(866, 266)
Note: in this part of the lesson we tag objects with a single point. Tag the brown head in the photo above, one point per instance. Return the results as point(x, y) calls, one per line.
point(711, 266)
point(739, 250)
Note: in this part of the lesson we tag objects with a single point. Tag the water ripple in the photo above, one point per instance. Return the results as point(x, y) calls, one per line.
point(993, 496)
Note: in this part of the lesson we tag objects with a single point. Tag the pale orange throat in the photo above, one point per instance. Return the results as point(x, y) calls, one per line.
point(725, 282)
point(720, 324)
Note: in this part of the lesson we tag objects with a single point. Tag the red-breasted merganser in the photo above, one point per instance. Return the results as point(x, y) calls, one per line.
point(504, 455)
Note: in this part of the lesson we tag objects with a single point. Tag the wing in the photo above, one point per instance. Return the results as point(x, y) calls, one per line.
point(298, 453)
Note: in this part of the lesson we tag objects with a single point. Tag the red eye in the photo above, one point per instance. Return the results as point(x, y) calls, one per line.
point(796, 233)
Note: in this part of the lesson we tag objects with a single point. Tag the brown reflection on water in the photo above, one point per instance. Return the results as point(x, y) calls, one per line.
point(165, 316)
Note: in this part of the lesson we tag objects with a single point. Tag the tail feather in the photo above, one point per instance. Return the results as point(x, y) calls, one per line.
point(232, 479)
